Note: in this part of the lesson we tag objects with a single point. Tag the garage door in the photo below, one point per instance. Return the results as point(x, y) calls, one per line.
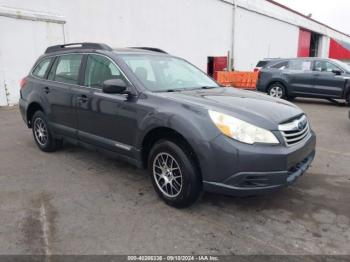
point(304, 43)
point(24, 37)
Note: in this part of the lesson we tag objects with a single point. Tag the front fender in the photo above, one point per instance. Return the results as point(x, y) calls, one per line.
point(346, 91)
point(195, 126)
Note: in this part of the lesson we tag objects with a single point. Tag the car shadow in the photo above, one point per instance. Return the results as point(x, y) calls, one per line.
point(322, 102)
point(298, 199)
point(246, 202)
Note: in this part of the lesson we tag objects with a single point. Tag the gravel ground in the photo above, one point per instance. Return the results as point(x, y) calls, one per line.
point(76, 201)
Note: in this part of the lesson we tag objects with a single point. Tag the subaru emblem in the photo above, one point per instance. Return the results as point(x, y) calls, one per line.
point(301, 125)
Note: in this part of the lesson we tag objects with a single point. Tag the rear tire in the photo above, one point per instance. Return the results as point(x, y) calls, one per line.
point(174, 174)
point(277, 90)
point(42, 134)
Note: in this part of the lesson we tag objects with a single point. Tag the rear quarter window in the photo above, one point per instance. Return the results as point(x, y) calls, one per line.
point(42, 67)
point(261, 63)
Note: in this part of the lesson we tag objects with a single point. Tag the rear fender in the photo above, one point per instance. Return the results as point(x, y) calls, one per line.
point(279, 80)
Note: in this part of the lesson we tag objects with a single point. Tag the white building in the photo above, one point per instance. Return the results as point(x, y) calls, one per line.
point(193, 29)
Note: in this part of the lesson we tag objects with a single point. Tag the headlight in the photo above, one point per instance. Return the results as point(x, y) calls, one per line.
point(241, 130)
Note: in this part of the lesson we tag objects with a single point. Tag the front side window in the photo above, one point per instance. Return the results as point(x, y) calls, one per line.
point(163, 73)
point(98, 69)
point(303, 65)
point(66, 69)
point(325, 66)
point(41, 68)
point(344, 66)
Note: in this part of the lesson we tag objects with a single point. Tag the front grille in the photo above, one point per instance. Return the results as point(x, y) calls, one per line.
point(295, 131)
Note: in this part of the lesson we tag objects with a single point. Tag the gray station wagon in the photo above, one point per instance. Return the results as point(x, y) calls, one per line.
point(159, 112)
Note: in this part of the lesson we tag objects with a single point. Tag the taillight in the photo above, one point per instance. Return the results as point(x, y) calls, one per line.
point(23, 82)
point(257, 72)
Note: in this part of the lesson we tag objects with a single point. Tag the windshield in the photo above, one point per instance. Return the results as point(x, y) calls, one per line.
point(164, 73)
point(345, 66)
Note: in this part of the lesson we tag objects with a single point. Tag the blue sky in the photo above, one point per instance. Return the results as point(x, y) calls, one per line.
point(334, 13)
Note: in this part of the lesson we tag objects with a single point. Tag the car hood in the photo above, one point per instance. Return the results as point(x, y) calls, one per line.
point(253, 107)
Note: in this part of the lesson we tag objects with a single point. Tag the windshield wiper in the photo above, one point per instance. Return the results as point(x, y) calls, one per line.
point(170, 90)
point(208, 87)
point(187, 89)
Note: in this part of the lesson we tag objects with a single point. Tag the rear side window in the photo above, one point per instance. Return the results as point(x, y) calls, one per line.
point(280, 65)
point(41, 68)
point(303, 65)
point(66, 69)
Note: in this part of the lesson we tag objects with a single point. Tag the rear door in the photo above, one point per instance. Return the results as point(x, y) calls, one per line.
point(62, 77)
point(327, 83)
point(300, 77)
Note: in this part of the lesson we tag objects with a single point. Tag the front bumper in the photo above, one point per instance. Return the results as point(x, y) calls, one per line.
point(245, 184)
point(250, 170)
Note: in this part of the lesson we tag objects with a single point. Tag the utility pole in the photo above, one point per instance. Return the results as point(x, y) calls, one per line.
point(233, 37)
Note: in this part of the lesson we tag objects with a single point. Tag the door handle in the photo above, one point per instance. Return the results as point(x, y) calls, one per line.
point(83, 98)
point(46, 89)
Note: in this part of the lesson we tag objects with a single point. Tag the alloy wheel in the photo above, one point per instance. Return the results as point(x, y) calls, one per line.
point(276, 91)
point(167, 175)
point(40, 131)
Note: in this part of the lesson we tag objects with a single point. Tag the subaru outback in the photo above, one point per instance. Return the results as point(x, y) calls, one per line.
point(159, 112)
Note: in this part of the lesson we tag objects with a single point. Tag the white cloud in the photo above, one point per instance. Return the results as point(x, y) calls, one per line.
point(334, 13)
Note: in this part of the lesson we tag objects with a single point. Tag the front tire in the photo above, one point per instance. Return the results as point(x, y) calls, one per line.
point(277, 90)
point(42, 134)
point(174, 175)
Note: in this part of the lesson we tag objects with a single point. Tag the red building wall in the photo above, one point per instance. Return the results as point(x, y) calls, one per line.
point(338, 51)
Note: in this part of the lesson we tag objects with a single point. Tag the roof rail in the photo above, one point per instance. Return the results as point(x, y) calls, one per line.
point(96, 46)
point(154, 49)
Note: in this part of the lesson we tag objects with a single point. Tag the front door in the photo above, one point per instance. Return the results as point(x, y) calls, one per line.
point(327, 83)
point(106, 120)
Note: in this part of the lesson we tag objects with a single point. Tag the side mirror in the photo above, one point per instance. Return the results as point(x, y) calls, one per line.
point(114, 86)
point(337, 72)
